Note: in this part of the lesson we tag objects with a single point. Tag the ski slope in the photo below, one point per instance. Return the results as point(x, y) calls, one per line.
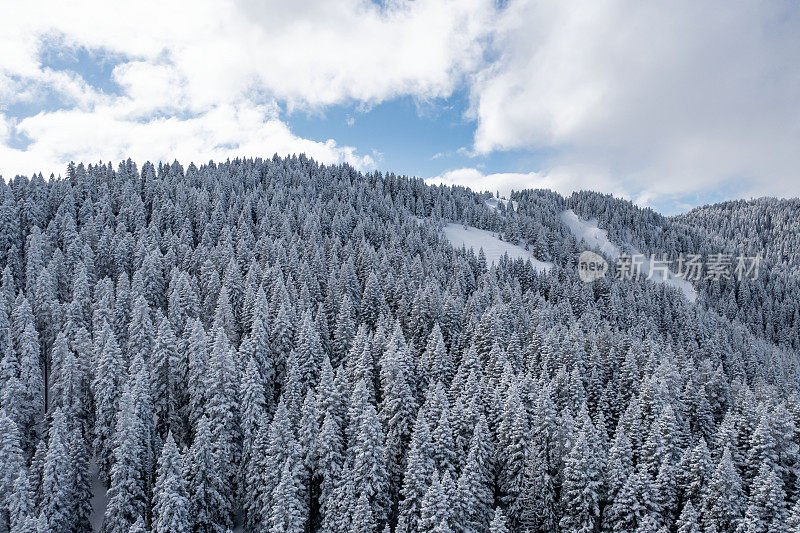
point(469, 237)
point(597, 239)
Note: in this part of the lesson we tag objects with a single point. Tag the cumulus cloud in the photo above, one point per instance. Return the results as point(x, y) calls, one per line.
point(669, 98)
point(560, 179)
point(185, 66)
point(108, 134)
point(656, 101)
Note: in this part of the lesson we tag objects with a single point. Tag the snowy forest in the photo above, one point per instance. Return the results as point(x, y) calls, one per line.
point(276, 345)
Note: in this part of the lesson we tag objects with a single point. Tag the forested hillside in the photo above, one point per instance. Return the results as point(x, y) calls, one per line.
point(283, 346)
point(769, 225)
point(768, 305)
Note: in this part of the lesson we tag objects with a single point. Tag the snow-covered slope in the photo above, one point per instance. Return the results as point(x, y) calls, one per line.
point(588, 232)
point(596, 238)
point(469, 237)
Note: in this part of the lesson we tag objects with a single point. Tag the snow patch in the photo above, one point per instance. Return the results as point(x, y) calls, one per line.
point(99, 497)
point(596, 238)
point(469, 237)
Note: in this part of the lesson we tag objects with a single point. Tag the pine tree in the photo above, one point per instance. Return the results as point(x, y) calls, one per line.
point(513, 438)
point(80, 479)
point(443, 446)
point(330, 460)
point(127, 493)
point(436, 362)
point(138, 526)
point(766, 511)
point(722, 502)
point(281, 446)
point(288, 513)
point(183, 303)
point(474, 492)
point(339, 516)
point(262, 346)
point(57, 484)
point(435, 507)
point(255, 497)
point(147, 438)
point(499, 523)
point(107, 387)
point(170, 497)
point(198, 372)
point(665, 493)
point(282, 337)
point(140, 330)
point(20, 504)
point(292, 393)
point(79, 403)
point(32, 378)
point(631, 504)
point(222, 408)
point(253, 411)
point(581, 491)
point(793, 523)
point(12, 460)
point(369, 464)
point(417, 477)
point(59, 356)
point(223, 316)
point(363, 521)
point(307, 436)
point(345, 330)
point(372, 301)
point(618, 472)
point(399, 405)
point(537, 502)
point(688, 521)
point(309, 351)
point(763, 449)
point(168, 377)
point(207, 489)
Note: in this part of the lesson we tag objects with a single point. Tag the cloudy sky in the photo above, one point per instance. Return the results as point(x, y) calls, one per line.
point(671, 104)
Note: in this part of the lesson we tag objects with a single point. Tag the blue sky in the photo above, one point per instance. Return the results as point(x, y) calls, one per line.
point(418, 138)
point(670, 106)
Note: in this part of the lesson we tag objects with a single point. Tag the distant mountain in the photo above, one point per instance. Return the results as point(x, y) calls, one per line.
point(767, 225)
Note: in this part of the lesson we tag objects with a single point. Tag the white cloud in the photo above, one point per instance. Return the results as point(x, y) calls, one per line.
point(670, 98)
point(196, 61)
point(308, 53)
point(653, 100)
point(563, 180)
point(108, 134)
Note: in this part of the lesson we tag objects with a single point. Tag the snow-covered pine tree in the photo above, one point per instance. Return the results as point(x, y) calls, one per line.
point(209, 492)
point(581, 492)
point(288, 513)
point(474, 492)
point(168, 380)
point(170, 496)
point(127, 493)
point(499, 523)
point(724, 499)
point(109, 373)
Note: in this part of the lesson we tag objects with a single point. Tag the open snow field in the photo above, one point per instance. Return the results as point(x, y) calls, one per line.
point(469, 237)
